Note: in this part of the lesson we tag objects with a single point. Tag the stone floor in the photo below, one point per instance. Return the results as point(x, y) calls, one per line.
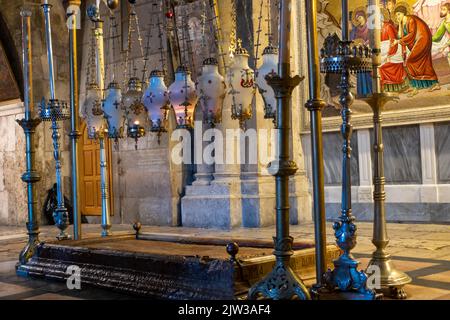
point(421, 250)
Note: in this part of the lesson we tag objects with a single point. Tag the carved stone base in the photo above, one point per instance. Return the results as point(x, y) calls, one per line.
point(138, 267)
point(152, 276)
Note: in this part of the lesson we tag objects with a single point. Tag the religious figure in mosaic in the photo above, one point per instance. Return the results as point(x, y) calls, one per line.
point(442, 35)
point(416, 39)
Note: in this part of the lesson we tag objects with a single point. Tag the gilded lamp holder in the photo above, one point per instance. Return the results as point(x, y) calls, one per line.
point(344, 57)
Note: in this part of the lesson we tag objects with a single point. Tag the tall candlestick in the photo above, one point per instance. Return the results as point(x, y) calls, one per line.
point(315, 106)
point(390, 278)
point(29, 124)
point(74, 123)
point(345, 19)
point(282, 282)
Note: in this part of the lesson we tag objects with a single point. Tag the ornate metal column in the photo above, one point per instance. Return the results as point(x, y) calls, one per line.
point(344, 58)
point(391, 278)
point(315, 105)
point(55, 111)
point(29, 124)
point(74, 125)
point(282, 282)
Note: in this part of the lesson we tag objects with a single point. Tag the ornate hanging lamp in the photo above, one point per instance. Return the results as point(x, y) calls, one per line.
point(242, 85)
point(135, 111)
point(112, 105)
point(156, 96)
point(269, 66)
point(182, 93)
point(240, 77)
point(156, 100)
point(211, 85)
point(91, 110)
point(183, 97)
point(212, 89)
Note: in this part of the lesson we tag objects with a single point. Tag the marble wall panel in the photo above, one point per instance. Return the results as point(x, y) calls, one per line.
point(442, 140)
point(402, 160)
point(332, 153)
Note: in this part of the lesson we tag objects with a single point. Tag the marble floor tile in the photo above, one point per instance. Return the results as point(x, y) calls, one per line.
point(7, 289)
point(52, 296)
point(441, 277)
point(416, 292)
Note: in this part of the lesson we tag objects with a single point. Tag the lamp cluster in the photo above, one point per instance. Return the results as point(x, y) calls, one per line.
point(147, 103)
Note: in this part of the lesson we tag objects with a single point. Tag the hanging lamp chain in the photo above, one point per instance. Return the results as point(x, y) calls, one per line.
point(133, 27)
point(233, 33)
point(269, 22)
point(92, 65)
point(218, 38)
point(161, 48)
point(151, 25)
point(258, 32)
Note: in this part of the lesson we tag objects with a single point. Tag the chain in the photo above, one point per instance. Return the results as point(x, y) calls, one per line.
point(112, 34)
point(162, 59)
point(258, 33)
point(233, 33)
point(132, 18)
point(277, 6)
point(204, 16)
point(247, 24)
point(269, 22)
point(147, 46)
point(91, 69)
point(218, 39)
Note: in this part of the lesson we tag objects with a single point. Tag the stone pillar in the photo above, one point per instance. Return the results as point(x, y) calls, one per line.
point(258, 187)
point(218, 204)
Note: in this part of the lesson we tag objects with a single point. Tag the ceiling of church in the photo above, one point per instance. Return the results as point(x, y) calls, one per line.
point(8, 85)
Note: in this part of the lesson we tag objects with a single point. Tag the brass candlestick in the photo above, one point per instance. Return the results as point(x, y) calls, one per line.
point(282, 283)
point(315, 106)
point(391, 278)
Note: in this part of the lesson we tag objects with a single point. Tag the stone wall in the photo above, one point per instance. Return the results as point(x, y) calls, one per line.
point(12, 147)
point(147, 185)
point(416, 169)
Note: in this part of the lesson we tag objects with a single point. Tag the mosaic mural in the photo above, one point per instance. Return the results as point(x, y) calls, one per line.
point(415, 50)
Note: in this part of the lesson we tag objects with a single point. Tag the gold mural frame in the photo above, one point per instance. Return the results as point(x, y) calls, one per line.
point(410, 116)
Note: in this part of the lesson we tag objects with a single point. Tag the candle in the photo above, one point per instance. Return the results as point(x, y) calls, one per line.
point(345, 18)
point(45, 1)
